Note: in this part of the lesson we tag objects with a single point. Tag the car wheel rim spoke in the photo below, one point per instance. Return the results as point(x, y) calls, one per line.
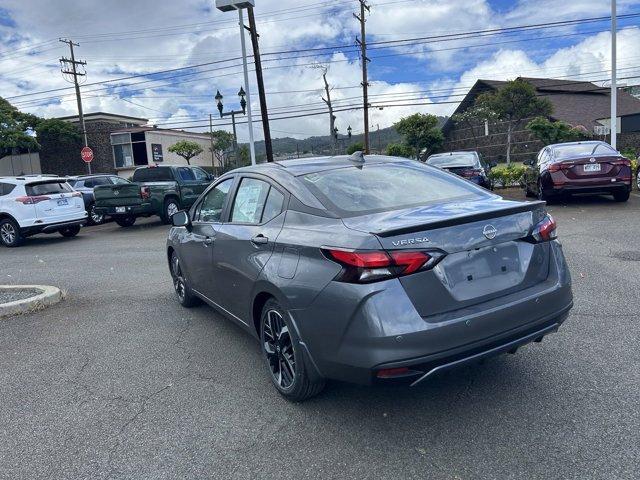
point(8, 233)
point(172, 209)
point(278, 349)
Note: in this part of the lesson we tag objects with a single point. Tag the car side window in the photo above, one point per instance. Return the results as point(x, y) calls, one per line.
point(249, 202)
point(186, 174)
point(210, 209)
point(200, 174)
point(6, 188)
point(118, 181)
point(273, 207)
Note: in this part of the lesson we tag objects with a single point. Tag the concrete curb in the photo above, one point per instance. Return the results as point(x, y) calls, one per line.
point(47, 296)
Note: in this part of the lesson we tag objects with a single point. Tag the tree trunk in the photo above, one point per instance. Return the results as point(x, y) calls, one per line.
point(509, 128)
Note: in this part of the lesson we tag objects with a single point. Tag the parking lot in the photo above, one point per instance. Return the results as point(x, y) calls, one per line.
point(119, 381)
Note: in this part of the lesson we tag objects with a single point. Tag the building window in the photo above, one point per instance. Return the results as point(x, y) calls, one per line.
point(129, 149)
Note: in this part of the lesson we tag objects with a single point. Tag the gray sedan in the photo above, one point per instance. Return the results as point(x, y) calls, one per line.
point(369, 269)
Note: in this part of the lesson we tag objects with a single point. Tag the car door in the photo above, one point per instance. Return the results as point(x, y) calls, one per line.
point(244, 243)
point(203, 179)
point(197, 245)
point(190, 187)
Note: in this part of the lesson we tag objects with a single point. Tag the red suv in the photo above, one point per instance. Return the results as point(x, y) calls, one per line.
point(579, 167)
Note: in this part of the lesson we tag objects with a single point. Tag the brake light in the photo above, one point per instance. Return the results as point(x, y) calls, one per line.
point(76, 194)
point(621, 163)
point(544, 231)
point(556, 167)
point(371, 266)
point(32, 200)
point(145, 192)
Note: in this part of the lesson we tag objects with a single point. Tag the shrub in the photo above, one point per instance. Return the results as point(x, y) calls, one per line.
point(508, 175)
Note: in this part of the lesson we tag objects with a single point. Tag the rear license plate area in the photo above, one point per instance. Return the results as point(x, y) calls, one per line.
point(62, 202)
point(121, 209)
point(592, 167)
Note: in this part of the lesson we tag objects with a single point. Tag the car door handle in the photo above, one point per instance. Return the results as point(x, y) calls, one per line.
point(259, 240)
point(208, 241)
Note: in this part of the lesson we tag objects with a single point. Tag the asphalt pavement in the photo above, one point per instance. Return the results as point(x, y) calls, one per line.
point(118, 381)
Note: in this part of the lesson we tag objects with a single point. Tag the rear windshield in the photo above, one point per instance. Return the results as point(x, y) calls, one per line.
point(47, 188)
point(454, 160)
point(582, 150)
point(355, 191)
point(153, 174)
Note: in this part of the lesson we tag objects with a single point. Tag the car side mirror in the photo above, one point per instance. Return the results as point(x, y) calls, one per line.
point(181, 219)
point(528, 162)
point(493, 164)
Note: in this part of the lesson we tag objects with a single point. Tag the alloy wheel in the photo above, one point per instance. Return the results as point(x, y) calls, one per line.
point(8, 233)
point(172, 209)
point(279, 349)
point(178, 280)
point(95, 217)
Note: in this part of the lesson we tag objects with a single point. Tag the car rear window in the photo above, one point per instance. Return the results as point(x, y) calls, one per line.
point(374, 188)
point(47, 188)
point(454, 160)
point(154, 174)
point(582, 150)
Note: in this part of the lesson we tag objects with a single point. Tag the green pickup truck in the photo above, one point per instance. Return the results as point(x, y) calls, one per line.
point(155, 190)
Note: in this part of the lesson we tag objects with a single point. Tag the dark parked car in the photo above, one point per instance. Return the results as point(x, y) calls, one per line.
point(85, 185)
point(369, 270)
point(156, 190)
point(467, 165)
point(579, 167)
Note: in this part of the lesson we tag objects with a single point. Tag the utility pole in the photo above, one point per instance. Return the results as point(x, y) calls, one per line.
point(364, 8)
point(379, 140)
point(261, 93)
point(614, 86)
point(252, 148)
point(213, 153)
point(70, 67)
point(332, 117)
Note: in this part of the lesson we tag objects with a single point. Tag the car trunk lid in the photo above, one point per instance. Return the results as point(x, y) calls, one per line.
point(486, 255)
point(590, 168)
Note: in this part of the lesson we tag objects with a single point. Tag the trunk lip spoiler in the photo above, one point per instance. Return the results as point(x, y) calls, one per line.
point(461, 219)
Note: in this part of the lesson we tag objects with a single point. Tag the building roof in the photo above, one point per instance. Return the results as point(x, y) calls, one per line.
point(109, 117)
point(579, 103)
point(161, 130)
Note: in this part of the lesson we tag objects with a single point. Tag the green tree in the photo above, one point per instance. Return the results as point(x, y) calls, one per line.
point(186, 149)
point(222, 141)
point(555, 132)
point(400, 150)
point(355, 147)
point(244, 156)
point(16, 130)
point(420, 132)
point(54, 131)
point(513, 103)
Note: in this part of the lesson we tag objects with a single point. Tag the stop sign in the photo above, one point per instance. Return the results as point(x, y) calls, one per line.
point(87, 154)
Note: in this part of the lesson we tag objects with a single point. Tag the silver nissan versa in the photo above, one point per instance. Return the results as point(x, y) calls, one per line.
point(369, 269)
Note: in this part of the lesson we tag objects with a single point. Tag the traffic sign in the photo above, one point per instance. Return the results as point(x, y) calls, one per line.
point(87, 155)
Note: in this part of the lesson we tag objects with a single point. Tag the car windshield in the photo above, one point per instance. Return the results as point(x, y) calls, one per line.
point(374, 188)
point(582, 150)
point(453, 160)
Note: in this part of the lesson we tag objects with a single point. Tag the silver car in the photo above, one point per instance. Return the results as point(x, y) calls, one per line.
point(369, 269)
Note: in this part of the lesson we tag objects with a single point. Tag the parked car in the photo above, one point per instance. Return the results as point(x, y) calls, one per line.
point(369, 269)
point(156, 190)
point(85, 185)
point(467, 165)
point(38, 204)
point(579, 167)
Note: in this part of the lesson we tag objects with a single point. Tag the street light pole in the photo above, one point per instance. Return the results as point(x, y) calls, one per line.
point(614, 86)
point(252, 147)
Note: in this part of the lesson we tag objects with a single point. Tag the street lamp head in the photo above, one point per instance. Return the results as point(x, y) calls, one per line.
point(349, 131)
point(241, 93)
point(219, 98)
point(230, 5)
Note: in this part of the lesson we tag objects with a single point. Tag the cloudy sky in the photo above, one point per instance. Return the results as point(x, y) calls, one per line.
point(424, 57)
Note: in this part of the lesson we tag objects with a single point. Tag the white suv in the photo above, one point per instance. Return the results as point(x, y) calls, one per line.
point(38, 204)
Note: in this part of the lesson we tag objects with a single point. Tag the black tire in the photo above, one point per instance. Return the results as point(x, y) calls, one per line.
point(92, 217)
point(186, 298)
point(171, 207)
point(621, 196)
point(10, 234)
point(126, 221)
point(70, 231)
point(283, 356)
point(528, 193)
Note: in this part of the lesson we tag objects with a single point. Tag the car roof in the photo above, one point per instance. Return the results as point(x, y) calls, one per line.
point(448, 154)
point(586, 142)
point(304, 166)
point(24, 179)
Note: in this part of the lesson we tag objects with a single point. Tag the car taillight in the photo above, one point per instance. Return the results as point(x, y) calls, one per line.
point(544, 231)
point(145, 192)
point(371, 266)
point(622, 163)
point(32, 200)
point(556, 167)
point(76, 194)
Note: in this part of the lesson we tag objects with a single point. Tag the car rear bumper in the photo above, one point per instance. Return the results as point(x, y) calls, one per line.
point(52, 227)
point(135, 210)
point(384, 331)
point(592, 189)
